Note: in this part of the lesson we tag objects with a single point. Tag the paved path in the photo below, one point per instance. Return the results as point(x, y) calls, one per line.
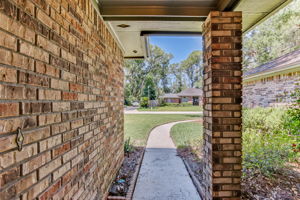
point(163, 175)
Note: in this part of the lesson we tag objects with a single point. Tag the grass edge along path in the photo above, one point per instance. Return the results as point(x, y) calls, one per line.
point(187, 134)
point(137, 127)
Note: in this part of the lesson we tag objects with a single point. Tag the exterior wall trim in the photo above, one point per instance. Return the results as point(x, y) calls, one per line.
point(265, 74)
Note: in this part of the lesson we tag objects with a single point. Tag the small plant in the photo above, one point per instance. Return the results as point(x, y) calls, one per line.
point(144, 102)
point(128, 147)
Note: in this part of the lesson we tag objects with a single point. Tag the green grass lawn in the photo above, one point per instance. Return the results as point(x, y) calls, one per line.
point(187, 134)
point(138, 126)
point(175, 107)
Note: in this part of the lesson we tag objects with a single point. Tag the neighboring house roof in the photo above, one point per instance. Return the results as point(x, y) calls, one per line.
point(189, 92)
point(170, 95)
point(284, 62)
point(195, 92)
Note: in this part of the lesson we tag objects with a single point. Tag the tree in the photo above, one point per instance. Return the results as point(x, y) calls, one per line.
point(159, 62)
point(149, 89)
point(178, 83)
point(193, 67)
point(278, 35)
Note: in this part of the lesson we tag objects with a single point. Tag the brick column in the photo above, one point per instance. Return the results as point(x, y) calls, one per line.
point(222, 105)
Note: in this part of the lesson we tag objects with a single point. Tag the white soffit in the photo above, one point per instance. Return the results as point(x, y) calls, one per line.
point(131, 38)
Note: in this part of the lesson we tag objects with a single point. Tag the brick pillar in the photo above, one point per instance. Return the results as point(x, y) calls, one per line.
point(222, 105)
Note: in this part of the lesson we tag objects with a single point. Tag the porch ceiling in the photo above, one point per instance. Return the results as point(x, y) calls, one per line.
point(128, 18)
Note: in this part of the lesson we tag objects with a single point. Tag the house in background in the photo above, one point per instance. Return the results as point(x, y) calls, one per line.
point(189, 95)
point(271, 84)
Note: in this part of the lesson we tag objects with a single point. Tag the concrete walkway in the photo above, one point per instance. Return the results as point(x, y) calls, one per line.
point(163, 175)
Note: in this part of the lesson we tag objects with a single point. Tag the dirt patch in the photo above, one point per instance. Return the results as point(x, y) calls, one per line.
point(124, 177)
point(192, 158)
point(284, 185)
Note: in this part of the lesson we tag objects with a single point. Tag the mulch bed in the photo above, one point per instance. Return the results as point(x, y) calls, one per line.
point(284, 185)
point(126, 174)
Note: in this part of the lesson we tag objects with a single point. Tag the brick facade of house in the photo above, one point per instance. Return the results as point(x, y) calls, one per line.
point(61, 82)
point(222, 106)
point(269, 91)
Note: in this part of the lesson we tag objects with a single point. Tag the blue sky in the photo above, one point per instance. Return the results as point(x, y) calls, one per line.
point(179, 46)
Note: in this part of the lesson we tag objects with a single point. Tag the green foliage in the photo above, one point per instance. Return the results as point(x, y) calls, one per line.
point(193, 66)
point(144, 102)
point(267, 146)
point(292, 123)
point(278, 35)
point(149, 89)
point(267, 120)
point(128, 147)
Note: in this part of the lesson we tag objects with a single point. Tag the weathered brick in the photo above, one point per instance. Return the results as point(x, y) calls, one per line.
point(69, 96)
point(61, 171)
point(61, 106)
point(30, 108)
point(26, 182)
point(61, 150)
point(50, 167)
point(222, 93)
point(12, 157)
point(36, 135)
point(16, 28)
point(8, 74)
point(59, 84)
point(36, 163)
point(49, 94)
point(34, 52)
point(49, 119)
point(9, 109)
point(9, 176)
point(47, 58)
point(48, 45)
point(45, 19)
point(38, 188)
point(8, 8)
point(46, 69)
point(50, 142)
point(32, 79)
point(8, 41)
point(51, 191)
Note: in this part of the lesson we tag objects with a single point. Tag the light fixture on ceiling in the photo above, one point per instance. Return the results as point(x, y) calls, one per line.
point(134, 51)
point(123, 25)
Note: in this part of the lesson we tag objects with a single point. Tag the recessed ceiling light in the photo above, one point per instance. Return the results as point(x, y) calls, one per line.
point(123, 25)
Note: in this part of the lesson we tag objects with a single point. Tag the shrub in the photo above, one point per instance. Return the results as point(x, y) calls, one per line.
point(267, 145)
point(268, 120)
point(144, 102)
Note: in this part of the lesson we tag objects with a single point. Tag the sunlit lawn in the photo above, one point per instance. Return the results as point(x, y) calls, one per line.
point(187, 134)
point(175, 107)
point(138, 126)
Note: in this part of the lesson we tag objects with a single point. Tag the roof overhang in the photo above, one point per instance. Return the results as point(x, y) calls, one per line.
point(129, 18)
point(273, 72)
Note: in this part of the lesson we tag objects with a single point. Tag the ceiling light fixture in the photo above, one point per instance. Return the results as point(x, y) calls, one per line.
point(123, 25)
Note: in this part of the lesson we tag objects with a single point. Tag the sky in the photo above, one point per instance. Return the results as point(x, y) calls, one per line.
point(179, 46)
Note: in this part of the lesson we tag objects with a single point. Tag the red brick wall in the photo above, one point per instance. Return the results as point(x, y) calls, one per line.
point(222, 106)
point(61, 82)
